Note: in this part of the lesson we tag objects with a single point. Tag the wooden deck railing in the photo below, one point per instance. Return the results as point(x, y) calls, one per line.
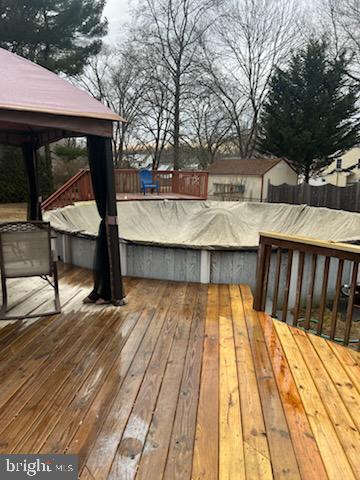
point(190, 183)
point(301, 272)
point(78, 188)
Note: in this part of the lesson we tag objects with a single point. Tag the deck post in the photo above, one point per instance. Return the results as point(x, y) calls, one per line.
point(30, 162)
point(264, 252)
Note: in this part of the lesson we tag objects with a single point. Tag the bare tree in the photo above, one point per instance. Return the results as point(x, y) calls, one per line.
point(116, 77)
point(172, 29)
point(340, 20)
point(209, 126)
point(251, 38)
point(154, 122)
point(192, 72)
point(130, 86)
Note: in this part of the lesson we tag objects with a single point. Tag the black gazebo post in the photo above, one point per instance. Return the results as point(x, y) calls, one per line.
point(107, 269)
point(30, 162)
point(112, 228)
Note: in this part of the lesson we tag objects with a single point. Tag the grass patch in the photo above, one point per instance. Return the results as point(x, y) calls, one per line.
point(340, 324)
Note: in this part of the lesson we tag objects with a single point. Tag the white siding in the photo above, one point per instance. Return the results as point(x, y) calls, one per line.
point(279, 174)
point(252, 184)
point(340, 179)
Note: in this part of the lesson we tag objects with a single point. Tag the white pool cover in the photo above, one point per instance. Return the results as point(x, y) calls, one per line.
point(209, 224)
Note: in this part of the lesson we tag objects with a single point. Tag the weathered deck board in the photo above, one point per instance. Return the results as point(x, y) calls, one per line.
point(231, 446)
point(256, 448)
point(36, 418)
point(88, 431)
point(155, 449)
point(206, 449)
point(100, 452)
point(282, 453)
point(180, 453)
point(185, 382)
point(131, 445)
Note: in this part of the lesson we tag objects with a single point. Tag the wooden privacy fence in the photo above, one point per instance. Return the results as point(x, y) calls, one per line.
point(79, 188)
point(303, 268)
point(340, 198)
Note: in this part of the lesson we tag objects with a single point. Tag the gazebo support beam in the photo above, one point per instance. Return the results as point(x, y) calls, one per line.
point(30, 162)
point(107, 269)
point(112, 228)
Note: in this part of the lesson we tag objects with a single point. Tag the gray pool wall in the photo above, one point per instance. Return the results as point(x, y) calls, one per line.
point(204, 266)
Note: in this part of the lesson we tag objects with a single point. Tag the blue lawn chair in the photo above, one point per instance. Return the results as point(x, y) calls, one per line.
point(146, 181)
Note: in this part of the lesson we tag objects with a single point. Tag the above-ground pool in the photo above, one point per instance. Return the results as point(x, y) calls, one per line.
point(201, 241)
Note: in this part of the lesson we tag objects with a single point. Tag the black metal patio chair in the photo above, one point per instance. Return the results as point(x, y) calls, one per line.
point(25, 251)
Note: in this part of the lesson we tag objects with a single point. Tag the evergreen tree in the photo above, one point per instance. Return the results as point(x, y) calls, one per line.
point(310, 113)
point(58, 34)
point(13, 183)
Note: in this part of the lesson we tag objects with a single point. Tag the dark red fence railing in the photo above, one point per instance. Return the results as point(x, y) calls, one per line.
point(78, 188)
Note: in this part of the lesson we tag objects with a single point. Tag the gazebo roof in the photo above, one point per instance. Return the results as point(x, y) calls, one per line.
point(35, 102)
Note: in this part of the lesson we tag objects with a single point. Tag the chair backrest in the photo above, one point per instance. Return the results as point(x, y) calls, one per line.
point(25, 249)
point(145, 176)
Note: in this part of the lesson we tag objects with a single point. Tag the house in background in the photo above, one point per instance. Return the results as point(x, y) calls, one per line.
point(247, 179)
point(342, 171)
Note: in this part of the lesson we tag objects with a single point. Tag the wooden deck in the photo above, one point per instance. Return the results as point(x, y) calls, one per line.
point(186, 381)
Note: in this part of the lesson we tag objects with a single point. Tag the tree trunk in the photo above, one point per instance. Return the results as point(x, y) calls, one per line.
point(120, 151)
point(176, 137)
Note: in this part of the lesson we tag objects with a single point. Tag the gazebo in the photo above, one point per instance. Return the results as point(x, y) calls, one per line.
point(38, 107)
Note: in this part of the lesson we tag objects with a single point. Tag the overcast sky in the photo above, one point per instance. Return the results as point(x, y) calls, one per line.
point(116, 11)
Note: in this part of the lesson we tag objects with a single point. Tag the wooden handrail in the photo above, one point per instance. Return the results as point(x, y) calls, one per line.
point(67, 185)
point(303, 270)
point(345, 247)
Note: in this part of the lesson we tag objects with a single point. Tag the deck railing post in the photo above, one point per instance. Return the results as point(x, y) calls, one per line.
point(350, 307)
point(262, 269)
point(175, 182)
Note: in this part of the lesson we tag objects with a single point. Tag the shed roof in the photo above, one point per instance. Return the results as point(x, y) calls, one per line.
point(35, 100)
point(243, 166)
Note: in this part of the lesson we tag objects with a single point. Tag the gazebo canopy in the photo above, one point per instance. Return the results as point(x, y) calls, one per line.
point(40, 107)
